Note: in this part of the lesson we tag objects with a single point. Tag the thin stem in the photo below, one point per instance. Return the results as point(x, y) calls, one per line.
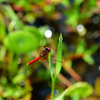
point(11, 55)
point(13, 64)
point(52, 90)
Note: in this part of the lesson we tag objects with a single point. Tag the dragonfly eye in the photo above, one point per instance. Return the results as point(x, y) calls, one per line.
point(47, 49)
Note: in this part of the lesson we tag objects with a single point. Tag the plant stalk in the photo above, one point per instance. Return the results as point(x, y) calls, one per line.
point(13, 64)
point(11, 55)
point(52, 89)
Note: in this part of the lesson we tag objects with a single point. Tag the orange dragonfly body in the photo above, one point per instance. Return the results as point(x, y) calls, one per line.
point(43, 55)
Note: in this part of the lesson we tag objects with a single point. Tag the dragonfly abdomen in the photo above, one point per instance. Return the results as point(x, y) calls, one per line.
point(33, 60)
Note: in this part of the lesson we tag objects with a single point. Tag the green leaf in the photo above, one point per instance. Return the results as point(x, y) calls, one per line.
point(76, 97)
point(76, 91)
point(8, 92)
point(78, 2)
point(11, 26)
point(2, 53)
point(18, 78)
point(37, 1)
point(14, 17)
point(21, 2)
point(68, 63)
point(82, 89)
point(29, 17)
point(2, 28)
point(49, 9)
point(17, 94)
point(50, 65)
point(65, 2)
point(3, 80)
point(1, 98)
point(61, 96)
point(34, 30)
point(92, 49)
point(72, 17)
point(88, 59)
point(92, 3)
point(3, 0)
point(59, 56)
point(13, 92)
point(21, 41)
point(81, 47)
point(97, 86)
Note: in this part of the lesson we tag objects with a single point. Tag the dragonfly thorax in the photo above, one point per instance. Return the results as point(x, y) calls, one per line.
point(45, 52)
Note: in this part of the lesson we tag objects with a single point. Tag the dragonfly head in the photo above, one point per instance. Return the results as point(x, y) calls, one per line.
point(47, 49)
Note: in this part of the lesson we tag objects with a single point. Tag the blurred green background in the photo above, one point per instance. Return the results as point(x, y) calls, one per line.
point(24, 23)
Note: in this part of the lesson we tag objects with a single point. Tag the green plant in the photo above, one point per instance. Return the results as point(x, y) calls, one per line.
point(76, 91)
point(22, 24)
point(58, 65)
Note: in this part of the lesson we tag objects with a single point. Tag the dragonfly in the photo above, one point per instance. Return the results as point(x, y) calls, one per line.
point(43, 55)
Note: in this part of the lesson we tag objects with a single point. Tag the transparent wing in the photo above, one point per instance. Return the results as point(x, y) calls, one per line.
point(43, 58)
point(41, 49)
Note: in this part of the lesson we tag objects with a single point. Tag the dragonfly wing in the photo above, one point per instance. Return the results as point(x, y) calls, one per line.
point(41, 49)
point(43, 58)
